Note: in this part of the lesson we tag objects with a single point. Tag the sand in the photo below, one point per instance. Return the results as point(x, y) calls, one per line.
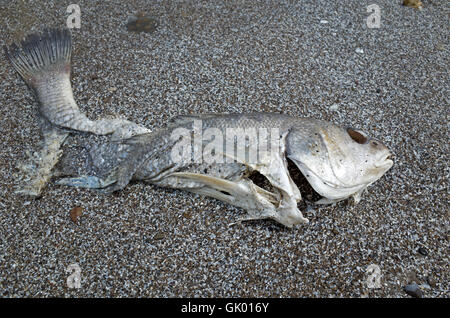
point(308, 59)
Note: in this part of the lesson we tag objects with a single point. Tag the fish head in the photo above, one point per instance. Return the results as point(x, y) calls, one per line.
point(337, 162)
point(370, 157)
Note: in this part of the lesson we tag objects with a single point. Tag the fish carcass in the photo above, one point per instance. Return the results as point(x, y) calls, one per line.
point(209, 154)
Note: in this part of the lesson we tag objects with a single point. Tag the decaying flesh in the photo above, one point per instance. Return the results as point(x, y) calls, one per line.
point(338, 163)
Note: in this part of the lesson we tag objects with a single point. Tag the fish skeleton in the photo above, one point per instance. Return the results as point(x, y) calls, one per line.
point(208, 154)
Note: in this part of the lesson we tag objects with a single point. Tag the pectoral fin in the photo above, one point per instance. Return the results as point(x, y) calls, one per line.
point(90, 182)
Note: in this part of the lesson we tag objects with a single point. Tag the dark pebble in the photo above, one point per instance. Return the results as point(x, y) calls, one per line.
point(423, 251)
point(142, 23)
point(413, 290)
point(158, 236)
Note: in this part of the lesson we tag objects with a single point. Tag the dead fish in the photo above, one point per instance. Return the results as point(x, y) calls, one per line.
point(210, 154)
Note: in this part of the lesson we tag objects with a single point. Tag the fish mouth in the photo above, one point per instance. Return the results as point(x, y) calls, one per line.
point(385, 162)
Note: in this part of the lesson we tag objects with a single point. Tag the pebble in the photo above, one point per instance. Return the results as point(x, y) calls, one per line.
point(423, 251)
point(334, 107)
point(142, 23)
point(75, 213)
point(413, 290)
point(158, 236)
point(413, 3)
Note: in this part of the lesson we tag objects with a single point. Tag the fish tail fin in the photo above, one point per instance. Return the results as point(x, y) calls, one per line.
point(43, 62)
point(38, 54)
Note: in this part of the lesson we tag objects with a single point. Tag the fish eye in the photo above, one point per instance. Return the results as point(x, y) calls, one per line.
point(357, 136)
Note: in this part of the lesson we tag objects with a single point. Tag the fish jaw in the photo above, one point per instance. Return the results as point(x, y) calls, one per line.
point(275, 169)
point(385, 163)
point(289, 215)
point(258, 203)
point(332, 191)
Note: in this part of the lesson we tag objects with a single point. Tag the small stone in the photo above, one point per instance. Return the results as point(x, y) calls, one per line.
point(413, 3)
point(323, 21)
point(359, 50)
point(413, 290)
point(158, 236)
point(141, 22)
point(423, 251)
point(75, 213)
point(112, 89)
point(334, 107)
